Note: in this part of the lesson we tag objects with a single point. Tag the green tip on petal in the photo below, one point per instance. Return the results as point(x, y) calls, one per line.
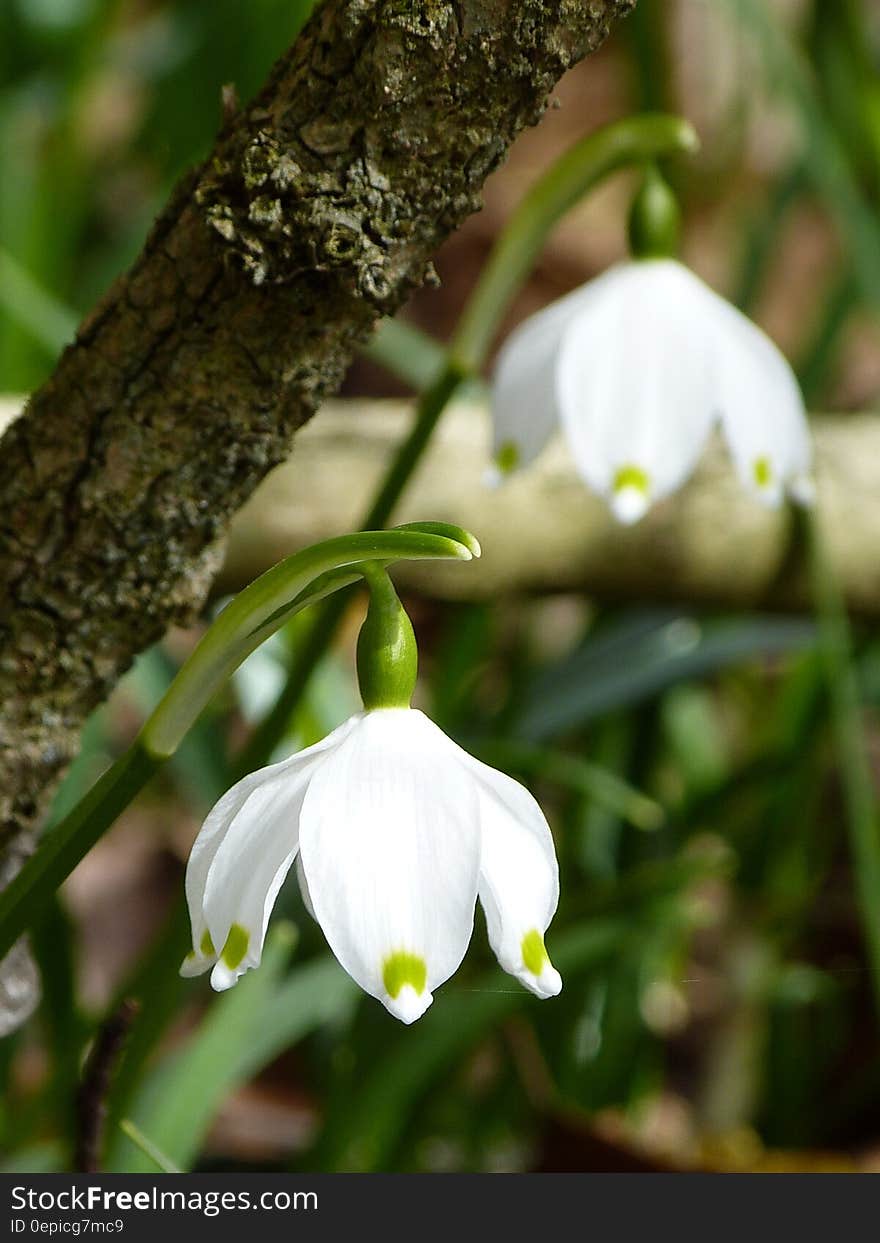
point(402, 968)
point(630, 489)
point(200, 957)
point(507, 457)
point(539, 974)
point(534, 952)
point(631, 477)
point(763, 472)
point(236, 946)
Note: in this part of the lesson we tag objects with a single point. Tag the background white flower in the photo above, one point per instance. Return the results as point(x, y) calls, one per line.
point(397, 830)
point(637, 366)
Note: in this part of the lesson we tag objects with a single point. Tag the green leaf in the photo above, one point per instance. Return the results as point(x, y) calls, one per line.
point(407, 353)
point(33, 308)
point(54, 943)
point(44, 1158)
point(595, 781)
point(156, 984)
point(144, 1144)
point(825, 157)
point(367, 1127)
point(179, 1100)
point(199, 763)
point(66, 843)
point(317, 994)
point(642, 656)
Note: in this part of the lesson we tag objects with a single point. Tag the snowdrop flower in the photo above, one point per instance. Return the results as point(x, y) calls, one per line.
point(637, 367)
point(395, 831)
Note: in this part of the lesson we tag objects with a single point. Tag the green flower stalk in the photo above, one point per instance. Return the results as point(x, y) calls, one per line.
point(575, 174)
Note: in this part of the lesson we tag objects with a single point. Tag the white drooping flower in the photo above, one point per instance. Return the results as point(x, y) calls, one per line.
point(395, 831)
point(637, 367)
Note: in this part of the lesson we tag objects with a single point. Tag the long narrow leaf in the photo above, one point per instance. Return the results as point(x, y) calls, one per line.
point(644, 657)
point(179, 1100)
point(825, 158)
point(366, 1135)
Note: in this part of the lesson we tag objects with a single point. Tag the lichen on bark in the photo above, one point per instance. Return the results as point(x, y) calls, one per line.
point(318, 211)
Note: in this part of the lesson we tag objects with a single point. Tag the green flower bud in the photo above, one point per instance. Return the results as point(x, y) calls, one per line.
point(387, 655)
point(654, 219)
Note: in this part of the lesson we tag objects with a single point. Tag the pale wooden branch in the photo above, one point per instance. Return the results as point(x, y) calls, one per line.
point(544, 531)
point(711, 543)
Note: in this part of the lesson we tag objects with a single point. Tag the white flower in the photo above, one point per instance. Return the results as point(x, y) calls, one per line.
point(637, 366)
point(395, 830)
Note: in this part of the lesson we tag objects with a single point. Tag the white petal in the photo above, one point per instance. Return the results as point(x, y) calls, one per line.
point(304, 887)
point(249, 869)
point(634, 382)
point(762, 409)
point(390, 848)
point(202, 855)
point(802, 489)
point(226, 834)
point(629, 504)
point(409, 1005)
point(519, 878)
point(524, 406)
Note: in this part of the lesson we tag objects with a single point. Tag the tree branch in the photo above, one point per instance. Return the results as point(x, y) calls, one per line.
point(543, 530)
point(317, 212)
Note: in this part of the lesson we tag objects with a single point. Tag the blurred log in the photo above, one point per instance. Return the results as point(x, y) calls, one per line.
point(317, 211)
point(543, 529)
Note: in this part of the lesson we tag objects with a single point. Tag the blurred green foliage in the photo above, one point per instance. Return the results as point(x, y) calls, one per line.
point(103, 104)
point(717, 996)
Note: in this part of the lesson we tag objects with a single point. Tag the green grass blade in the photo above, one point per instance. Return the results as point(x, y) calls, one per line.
point(407, 352)
point(825, 157)
point(366, 1131)
point(644, 655)
point(178, 1101)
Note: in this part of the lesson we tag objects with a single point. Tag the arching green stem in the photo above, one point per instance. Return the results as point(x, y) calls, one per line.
point(251, 617)
point(72, 838)
point(264, 606)
point(637, 140)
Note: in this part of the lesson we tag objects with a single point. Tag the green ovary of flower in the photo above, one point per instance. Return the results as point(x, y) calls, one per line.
point(402, 968)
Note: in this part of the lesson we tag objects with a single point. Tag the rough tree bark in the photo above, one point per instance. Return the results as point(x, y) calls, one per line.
point(317, 212)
